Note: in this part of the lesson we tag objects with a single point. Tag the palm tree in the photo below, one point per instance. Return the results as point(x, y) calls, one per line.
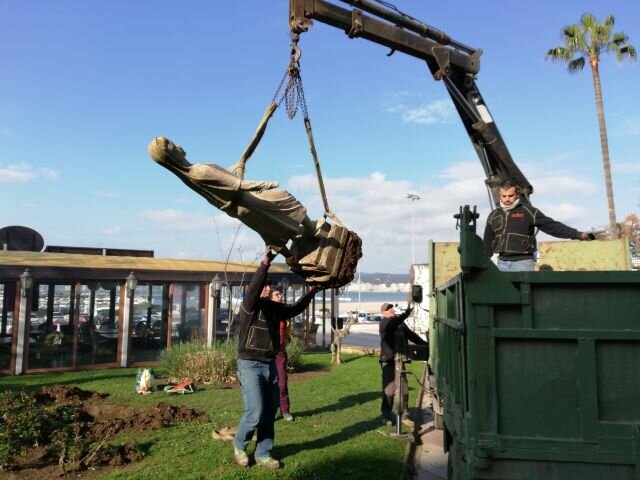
point(589, 40)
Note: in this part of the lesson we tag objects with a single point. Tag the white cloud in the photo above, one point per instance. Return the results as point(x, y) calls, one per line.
point(548, 179)
point(375, 206)
point(111, 231)
point(626, 167)
point(378, 210)
point(107, 194)
point(564, 212)
point(440, 111)
point(411, 110)
point(22, 173)
point(395, 102)
point(460, 170)
point(171, 219)
point(628, 128)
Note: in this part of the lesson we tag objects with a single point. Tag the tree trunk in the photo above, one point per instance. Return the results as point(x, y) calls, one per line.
point(604, 142)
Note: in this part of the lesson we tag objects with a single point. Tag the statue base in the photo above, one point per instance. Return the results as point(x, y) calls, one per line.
point(330, 258)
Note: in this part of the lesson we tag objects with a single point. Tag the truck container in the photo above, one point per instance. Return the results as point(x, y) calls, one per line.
point(536, 375)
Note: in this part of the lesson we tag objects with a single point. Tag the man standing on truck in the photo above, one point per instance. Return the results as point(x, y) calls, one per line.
point(393, 340)
point(258, 342)
point(510, 231)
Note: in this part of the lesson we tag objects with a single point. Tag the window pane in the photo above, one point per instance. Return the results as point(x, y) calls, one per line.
point(187, 314)
point(98, 324)
point(52, 328)
point(149, 322)
point(6, 324)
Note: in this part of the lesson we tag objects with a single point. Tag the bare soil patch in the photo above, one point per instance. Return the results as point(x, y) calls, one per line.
point(97, 424)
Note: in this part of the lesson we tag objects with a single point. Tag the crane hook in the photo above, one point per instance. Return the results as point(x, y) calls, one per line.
point(296, 53)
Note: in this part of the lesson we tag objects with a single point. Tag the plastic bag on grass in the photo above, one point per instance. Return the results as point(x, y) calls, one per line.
point(145, 382)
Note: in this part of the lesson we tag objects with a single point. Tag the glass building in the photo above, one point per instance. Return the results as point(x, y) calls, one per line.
point(97, 309)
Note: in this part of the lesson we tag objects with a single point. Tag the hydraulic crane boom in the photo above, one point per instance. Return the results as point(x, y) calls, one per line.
point(452, 62)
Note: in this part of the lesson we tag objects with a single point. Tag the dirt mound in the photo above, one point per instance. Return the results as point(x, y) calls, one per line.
point(91, 424)
point(112, 419)
point(65, 393)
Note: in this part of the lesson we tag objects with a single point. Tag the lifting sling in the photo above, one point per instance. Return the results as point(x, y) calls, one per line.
point(330, 258)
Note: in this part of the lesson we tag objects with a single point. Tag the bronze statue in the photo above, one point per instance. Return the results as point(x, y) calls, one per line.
point(322, 253)
point(273, 213)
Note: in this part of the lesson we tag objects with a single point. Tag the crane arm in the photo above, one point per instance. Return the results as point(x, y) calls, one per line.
point(454, 63)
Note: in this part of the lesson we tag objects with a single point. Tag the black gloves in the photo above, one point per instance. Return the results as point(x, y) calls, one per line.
point(271, 253)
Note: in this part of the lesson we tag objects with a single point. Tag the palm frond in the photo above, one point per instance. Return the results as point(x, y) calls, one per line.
point(559, 54)
point(600, 34)
point(576, 65)
point(589, 38)
point(619, 38)
point(628, 51)
point(571, 37)
point(588, 21)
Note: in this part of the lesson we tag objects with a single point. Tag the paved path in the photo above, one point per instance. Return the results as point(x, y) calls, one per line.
point(430, 459)
point(360, 335)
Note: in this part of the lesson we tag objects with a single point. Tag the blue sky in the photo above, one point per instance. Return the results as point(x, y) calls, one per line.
point(87, 84)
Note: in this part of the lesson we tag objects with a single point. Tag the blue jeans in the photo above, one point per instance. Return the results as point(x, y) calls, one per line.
point(517, 265)
point(259, 385)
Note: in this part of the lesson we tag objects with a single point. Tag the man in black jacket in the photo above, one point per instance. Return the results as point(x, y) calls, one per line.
point(393, 339)
point(510, 231)
point(258, 343)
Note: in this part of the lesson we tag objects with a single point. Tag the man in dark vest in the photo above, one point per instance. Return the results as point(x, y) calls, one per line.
point(258, 343)
point(510, 231)
point(394, 337)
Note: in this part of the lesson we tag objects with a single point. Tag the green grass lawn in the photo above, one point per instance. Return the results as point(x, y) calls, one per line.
point(337, 432)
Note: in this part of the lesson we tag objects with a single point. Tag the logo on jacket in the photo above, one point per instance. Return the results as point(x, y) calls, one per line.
point(517, 215)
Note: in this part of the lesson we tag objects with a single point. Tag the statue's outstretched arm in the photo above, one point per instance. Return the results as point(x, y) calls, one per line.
point(252, 186)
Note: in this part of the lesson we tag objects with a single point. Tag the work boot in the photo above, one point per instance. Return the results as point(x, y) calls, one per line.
point(407, 422)
point(268, 462)
point(387, 420)
point(240, 457)
point(288, 417)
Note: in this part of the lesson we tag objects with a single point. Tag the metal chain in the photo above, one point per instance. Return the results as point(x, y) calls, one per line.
point(293, 94)
point(293, 98)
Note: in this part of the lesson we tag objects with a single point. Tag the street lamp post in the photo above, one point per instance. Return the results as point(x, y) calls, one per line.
point(26, 284)
point(131, 283)
point(216, 285)
point(413, 197)
point(285, 287)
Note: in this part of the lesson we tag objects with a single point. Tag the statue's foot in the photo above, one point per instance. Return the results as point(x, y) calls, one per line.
point(310, 228)
point(164, 151)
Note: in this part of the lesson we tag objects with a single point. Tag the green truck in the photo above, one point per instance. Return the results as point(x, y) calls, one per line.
point(535, 375)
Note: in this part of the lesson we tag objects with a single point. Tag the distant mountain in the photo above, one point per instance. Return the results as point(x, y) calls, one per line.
point(382, 278)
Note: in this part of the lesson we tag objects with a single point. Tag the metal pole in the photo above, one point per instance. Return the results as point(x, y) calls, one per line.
point(413, 197)
point(324, 317)
point(359, 289)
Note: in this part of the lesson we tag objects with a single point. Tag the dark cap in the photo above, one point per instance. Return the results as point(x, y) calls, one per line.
point(386, 306)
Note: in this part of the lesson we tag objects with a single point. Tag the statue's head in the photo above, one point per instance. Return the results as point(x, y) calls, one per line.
point(168, 154)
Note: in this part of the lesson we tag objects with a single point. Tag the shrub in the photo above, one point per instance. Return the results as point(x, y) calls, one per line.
point(200, 363)
point(22, 423)
point(25, 423)
point(295, 348)
point(67, 441)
